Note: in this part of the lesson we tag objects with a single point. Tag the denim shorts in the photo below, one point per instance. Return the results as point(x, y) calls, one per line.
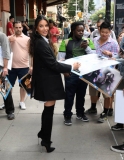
point(17, 72)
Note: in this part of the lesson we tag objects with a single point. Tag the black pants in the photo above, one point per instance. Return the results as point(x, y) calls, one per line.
point(74, 85)
point(9, 106)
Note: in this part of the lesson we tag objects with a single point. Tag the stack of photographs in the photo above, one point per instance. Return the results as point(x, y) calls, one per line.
point(5, 86)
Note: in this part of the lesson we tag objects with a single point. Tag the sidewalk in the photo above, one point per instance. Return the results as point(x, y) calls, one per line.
point(81, 141)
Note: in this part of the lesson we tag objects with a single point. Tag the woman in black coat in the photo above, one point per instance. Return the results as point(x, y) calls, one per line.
point(47, 84)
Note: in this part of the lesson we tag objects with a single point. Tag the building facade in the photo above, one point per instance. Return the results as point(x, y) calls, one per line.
point(23, 9)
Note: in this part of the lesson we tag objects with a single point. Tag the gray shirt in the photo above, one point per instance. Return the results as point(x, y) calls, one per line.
point(4, 43)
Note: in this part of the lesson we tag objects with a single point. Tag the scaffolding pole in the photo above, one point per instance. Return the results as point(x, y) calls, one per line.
point(85, 12)
point(108, 11)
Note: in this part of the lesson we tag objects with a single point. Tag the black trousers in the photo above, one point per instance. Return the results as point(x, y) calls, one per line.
point(9, 105)
point(74, 86)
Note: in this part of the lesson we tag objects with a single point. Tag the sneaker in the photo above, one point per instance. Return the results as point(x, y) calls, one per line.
point(22, 105)
point(67, 121)
point(83, 118)
point(117, 127)
point(110, 112)
point(91, 111)
point(2, 107)
point(118, 149)
point(102, 118)
point(11, 116)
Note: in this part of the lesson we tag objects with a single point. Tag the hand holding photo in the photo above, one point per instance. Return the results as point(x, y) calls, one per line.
point(5, 86)
point(76, 66)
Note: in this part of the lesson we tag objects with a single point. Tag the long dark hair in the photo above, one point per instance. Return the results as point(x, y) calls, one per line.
point(33, 36)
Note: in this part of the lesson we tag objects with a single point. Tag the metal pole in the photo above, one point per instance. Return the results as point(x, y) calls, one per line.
point(108, 11)
point(86, 3)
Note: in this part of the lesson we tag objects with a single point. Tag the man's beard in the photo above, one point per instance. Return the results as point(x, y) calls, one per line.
point(18, 33)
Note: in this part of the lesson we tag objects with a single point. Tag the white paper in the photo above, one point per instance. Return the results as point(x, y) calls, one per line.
point(119, 106)
point(9, 62)
point(90, 63)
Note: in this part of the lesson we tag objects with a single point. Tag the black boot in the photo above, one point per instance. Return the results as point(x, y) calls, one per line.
point(47, 146)
point(47, 121)
point(40, 133)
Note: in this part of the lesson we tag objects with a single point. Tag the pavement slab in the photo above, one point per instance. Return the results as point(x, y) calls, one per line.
point(81, 141)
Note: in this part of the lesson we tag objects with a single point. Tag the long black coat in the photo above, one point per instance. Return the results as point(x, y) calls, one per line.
point(46, 78)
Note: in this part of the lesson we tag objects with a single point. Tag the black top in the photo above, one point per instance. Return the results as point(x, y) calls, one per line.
point(73, 49)
point(46, 79)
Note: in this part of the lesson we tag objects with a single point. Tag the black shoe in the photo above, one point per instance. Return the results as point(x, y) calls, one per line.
point(67, 121)
point(11, 116)
point(83, 118)
point(117, 127)
point(91, 111)
point(118, 149)
point(102, 118)
point(110, 112)
point(47, 146)
point(39, 135)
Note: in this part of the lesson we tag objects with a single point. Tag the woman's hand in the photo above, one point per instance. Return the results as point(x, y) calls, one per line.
point(76, 65)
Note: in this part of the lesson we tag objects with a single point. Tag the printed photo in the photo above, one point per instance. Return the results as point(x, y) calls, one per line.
point(5, 86)
point(105, 80)
point(26, 83)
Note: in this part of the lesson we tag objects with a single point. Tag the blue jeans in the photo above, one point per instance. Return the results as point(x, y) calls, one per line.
point(74, 86)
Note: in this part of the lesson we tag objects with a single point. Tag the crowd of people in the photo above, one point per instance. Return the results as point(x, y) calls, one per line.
point(36, 51)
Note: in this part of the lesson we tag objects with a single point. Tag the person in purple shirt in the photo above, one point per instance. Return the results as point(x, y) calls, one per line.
point(106, 47)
